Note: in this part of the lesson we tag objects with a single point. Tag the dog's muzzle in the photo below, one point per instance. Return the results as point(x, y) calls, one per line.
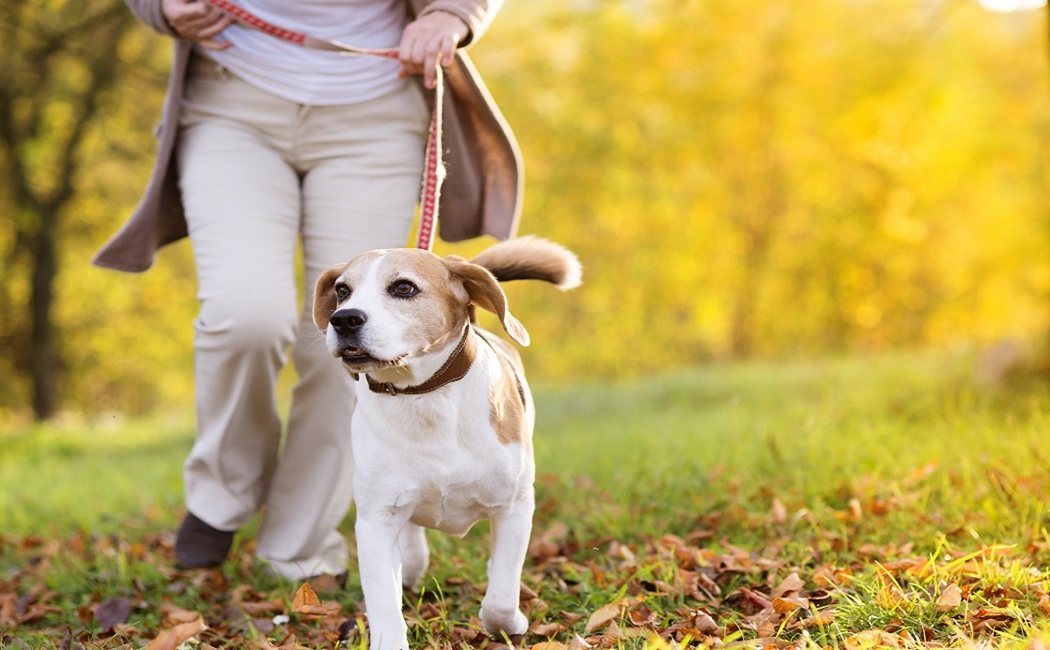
point(347, 324)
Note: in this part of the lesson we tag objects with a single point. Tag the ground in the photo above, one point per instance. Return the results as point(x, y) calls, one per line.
point(858, 502)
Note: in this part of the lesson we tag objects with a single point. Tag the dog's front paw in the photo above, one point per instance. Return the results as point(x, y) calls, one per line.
point(506, 620)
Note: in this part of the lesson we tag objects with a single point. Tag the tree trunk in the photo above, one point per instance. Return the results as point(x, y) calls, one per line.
point(42, 355)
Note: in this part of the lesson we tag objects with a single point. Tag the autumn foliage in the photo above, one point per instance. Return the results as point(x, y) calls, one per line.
point(754, 178)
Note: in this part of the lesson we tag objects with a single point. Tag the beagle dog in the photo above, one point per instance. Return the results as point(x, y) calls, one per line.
point(442, 429)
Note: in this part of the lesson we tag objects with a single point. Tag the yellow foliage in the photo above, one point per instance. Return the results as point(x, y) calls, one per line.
point(759, 177)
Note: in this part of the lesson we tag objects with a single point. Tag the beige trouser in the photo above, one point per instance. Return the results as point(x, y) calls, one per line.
point(258, 173)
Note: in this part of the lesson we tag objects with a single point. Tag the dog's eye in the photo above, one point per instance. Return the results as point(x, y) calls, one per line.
point(342, 292)
point(402, 289)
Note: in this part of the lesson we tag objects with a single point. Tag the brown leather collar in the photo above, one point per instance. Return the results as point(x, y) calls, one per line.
point(457, 366)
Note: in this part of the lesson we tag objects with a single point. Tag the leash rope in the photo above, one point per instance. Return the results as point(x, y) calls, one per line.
point(433, 170)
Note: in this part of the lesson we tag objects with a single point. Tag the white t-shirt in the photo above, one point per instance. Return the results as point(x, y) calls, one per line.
point(317, 77)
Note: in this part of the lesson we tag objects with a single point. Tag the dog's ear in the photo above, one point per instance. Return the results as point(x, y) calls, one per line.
point(484, 291)
point(324, 296)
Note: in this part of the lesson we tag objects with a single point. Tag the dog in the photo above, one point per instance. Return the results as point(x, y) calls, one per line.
point(442, 429)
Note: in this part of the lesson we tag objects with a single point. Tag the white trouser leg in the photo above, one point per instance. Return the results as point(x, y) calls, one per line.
point(256, 173)
point(242, 209)
point(359, 193)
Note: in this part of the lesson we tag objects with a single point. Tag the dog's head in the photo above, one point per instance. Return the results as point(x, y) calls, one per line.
point(385, 307)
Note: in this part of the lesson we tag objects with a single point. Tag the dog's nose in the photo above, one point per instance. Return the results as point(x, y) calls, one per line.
point(347, 321)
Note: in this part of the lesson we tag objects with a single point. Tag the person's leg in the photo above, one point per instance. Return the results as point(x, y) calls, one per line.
point(242, 205)
point(362, 182)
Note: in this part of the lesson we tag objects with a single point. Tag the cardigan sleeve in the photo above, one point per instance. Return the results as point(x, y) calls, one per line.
point(149, 12)
point(477, 14)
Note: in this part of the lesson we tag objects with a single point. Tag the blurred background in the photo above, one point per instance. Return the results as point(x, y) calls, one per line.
point(749, 179)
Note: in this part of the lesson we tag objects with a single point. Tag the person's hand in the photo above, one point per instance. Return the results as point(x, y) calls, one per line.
point(196, 20)
point(429, 41)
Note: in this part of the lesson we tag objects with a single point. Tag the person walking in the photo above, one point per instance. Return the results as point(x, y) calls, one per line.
point(263, 147)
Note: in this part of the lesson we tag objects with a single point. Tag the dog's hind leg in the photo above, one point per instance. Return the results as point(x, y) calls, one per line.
point(415, 555)
point(510, 541)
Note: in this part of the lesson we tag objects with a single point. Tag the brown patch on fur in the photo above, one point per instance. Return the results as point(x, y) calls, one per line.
point(439, 312)
point(485, 292)
point(325, 301)
point(506, 397)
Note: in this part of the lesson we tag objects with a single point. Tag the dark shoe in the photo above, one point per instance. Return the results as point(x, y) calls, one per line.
point(199, 546)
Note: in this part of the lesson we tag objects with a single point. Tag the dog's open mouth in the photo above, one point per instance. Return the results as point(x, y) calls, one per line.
point(352, 354)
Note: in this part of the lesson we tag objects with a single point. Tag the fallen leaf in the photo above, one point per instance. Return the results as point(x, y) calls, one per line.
point(756, 598)
point(612, 634)
point(950, 598)
point(872, 639)
point(174, 615)
point(579, 643)
point(112, 612)
point(790, 584)
point(546, 629)
point(822, 618)
point(172, 638)
point(327, 608)
point(785, 604)
point(262, 607)
point(603, 616)
point(304, 597)
point(641, 615)
point(1044, 604)
point(549, 645)
point(778, 511)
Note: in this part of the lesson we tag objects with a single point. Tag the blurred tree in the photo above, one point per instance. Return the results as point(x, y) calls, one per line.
point(55, 69)
point(761, 177)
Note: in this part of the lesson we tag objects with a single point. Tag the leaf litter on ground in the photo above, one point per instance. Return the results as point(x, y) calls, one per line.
point(638, 591)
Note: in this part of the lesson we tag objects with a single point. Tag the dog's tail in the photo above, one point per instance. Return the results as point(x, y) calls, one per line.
point(532, 258)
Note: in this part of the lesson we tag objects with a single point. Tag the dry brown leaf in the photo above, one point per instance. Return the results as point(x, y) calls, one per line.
point(950, 598)
point(111, 612)
point(756, 598)
point(304, 597)
point(612, 633)
point(873, 639)
point(547, 629)
point(174, 615)
point(8, 610)
point(603, 616)
point(778, 511)
point(822, 618)
point(767, 627)
point(549, 645)
point(579, 643)
point(172, 638)
point(785, 604)
point(790, 584)
point(260, 642)
point(1044, 604)
point(640, 615)
point(263, 607)
point(327, 608)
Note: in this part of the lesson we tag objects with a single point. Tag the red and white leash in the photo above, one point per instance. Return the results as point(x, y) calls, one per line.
point(434, 169)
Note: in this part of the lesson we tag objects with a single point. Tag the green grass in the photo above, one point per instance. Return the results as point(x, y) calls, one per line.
point(860, 466)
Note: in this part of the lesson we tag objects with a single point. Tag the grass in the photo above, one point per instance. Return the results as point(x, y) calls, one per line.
point(885, 483)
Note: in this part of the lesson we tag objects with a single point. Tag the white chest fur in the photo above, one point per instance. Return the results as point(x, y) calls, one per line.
point(436, 459)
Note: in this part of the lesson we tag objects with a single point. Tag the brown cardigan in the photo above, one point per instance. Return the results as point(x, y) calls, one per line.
point(482, 190)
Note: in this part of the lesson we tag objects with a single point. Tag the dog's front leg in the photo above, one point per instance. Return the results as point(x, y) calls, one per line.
point(379, 560)
point(510, 542)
